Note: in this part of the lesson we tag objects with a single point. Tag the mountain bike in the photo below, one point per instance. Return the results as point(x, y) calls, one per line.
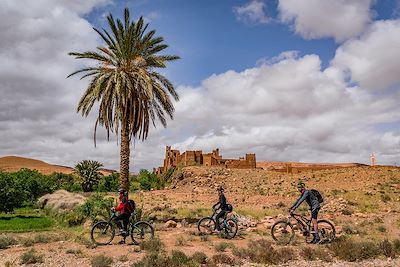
point(283, 231)
point(208, 225)
point(103, 232)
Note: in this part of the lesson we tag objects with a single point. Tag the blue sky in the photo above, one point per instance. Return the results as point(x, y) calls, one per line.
point(211, 40)
point(242, 87)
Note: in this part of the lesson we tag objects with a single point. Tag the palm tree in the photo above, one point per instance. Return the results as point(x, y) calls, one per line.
point(125, 82)
point(89, 174)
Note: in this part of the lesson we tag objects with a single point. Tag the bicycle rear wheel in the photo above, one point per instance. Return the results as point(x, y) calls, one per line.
point(282, 232)
point(102, 233)
point(206, 226)
point(141, 231)
point(229, 228)
point(326, 231)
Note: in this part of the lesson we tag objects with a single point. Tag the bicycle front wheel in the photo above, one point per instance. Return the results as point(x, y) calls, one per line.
point(102, 233)
point(282, 232)
point(141, 231)
point(206, 226)
point(229, 228)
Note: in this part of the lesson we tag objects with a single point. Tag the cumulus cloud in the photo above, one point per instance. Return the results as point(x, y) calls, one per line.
point(373, 60)
point(313, 19)
point(285, 108)
point(252, 12)
point(288, 109)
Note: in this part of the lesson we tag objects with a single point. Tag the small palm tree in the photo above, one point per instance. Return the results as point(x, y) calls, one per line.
point(89, 174)
point(125, 82)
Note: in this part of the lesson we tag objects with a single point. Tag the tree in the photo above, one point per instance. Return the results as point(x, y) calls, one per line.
point(132, 94)
point(89, 174)
point(10, 193)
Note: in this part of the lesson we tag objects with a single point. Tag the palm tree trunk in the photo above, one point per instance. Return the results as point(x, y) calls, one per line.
point(124, 161)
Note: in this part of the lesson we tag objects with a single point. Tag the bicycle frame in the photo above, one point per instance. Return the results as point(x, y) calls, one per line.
point(305, 224)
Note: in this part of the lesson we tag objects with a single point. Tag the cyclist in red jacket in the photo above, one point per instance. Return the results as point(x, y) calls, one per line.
point(125, 212)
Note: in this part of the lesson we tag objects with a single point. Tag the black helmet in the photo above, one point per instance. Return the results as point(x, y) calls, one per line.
point(122, 191)
point(220, 188)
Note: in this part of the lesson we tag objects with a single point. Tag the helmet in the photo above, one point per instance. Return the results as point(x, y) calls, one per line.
point(301, 185)
point(122, 191)
point(220, 188)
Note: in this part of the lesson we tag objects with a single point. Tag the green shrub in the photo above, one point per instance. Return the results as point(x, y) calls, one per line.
point(153, 245)
point(387, 248)
point(96, 208)
point(30, 257)
point(385, 198)
point(65, 181)
point(221, 246)
point(75, 251)
point(350, 250)
point(73, 218)
point(396, 245)
point(10, 193)
point(101, 261)
point(181, 241)
point(6, 241)
point(262, 251)
point(311, 254)
point(221, 259)
point(108, 183)
point(199, 257)
point(153, 259)
point(146, 181)
point(381, 229)
point(179, 258)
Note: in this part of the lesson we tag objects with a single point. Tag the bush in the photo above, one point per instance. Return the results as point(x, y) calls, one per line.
point(65, 181)
point(349, 250)
point(152, 246)
point(312, 254)
point(387, 248)
point(221, 259)
point(101, 261)
point(30, 257)
point(146, 181)
point(262, 251)
point(199, 257)
point(396, 245)
point(10, 193)
point(179, 258)
point(96, 208)
point(108, 183)
point(221, 246)
point(6, 241)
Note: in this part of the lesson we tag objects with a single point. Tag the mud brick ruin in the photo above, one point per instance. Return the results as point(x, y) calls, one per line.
point(174, 158)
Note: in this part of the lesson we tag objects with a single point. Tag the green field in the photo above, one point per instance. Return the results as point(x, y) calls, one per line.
point(24, 220)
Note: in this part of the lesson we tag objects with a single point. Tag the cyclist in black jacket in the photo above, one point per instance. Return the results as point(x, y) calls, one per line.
point(220, 205)
point(313, 202)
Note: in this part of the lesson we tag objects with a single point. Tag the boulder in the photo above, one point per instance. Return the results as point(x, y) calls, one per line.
point(61, 201)
point(170, 224)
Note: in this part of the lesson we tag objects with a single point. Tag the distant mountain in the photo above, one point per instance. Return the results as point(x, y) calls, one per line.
point(15, 163)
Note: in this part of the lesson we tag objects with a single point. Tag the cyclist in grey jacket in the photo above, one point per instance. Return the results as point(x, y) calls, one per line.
point(313, 202)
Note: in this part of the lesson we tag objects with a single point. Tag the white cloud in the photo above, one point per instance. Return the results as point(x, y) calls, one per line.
point(313, 19)
point(373, 60)
point(288, 109)
point(253, 12)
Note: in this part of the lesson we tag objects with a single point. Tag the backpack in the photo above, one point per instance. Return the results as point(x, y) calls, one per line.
point(318, 195)
point(131, 205)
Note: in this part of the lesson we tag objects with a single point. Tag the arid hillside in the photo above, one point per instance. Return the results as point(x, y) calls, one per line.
point(14, 163)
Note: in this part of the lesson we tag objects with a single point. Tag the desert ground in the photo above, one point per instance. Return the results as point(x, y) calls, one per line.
point(362, 202)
